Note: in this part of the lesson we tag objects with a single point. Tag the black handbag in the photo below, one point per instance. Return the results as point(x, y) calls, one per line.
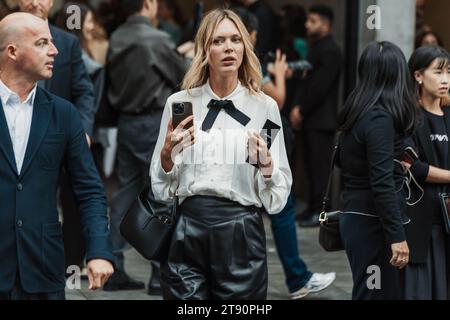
point(329, 234)
point(148, 226)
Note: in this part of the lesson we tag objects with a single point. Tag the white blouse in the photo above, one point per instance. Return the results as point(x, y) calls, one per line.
point(216, 164)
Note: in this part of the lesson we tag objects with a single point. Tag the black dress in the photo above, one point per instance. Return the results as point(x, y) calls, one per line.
point(427, 276)
point(373, 204)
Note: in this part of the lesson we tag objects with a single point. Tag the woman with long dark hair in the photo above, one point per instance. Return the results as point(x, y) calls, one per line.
point(427, 276)
point(378, 114)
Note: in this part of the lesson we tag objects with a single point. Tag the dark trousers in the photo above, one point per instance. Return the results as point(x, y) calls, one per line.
point(367, 250)
point(136, 140)
point(18, 293)
point(218, 252)
point(318, 151)
point(285, 237)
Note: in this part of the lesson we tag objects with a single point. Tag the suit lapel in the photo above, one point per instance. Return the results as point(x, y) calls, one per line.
point(41, 117)
point(424, 134)
point(5, 141)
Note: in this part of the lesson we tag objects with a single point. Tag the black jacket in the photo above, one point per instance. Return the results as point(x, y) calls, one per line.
point(418, 231)
point(143, 67)
point(372, 181)
point(318, 93)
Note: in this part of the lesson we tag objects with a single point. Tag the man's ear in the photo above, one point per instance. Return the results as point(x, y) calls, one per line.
point(11, 51)
point(326, 25)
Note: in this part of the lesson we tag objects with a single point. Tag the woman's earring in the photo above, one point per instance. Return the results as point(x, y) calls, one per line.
point(420, 82)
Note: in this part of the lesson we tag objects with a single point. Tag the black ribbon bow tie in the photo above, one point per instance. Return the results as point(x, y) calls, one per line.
point(214, 108)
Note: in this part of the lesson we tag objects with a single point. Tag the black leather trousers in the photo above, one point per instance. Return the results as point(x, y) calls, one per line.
point(217, 252)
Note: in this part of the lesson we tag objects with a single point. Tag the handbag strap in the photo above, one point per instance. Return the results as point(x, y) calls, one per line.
point(326, 199)
point(145, 196)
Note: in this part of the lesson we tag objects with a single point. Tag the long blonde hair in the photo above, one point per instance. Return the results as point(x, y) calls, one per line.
point(249, 74)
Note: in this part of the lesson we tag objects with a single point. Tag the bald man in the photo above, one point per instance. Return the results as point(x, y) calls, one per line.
point(39, 134)
point(70, 81)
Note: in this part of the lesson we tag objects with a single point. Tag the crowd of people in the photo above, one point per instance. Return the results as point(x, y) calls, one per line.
point(63, 89)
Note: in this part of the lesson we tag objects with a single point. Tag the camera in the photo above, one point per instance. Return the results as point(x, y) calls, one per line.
point(180, 111)
point(295, 66)
point(178, 108)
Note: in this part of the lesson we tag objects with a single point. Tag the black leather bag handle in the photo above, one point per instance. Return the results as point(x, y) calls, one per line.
point(326, 199)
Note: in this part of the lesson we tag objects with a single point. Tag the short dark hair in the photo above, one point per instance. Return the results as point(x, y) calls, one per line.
point(130, 7)
point(248, 18)
point(323, 11)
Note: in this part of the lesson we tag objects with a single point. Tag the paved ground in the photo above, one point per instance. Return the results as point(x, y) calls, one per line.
point(317, 260)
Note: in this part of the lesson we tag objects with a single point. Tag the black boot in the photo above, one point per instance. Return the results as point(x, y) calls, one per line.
point(121, 281)
point(154, 285)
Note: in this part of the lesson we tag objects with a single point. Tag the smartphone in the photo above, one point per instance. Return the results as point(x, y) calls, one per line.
point(410, 156)
point(268, 133)
point(180, 111)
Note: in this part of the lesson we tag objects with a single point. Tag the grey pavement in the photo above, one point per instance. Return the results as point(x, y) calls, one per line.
point(316, 258)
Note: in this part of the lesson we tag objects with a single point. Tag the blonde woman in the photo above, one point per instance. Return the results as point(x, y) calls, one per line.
point(218, 250)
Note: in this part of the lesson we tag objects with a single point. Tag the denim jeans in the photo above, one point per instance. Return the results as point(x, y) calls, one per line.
point(285, 236)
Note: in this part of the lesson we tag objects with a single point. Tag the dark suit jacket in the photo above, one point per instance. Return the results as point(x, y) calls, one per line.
point(70, 79)
point(318, 96)
point(422, 215)
point(30, 234)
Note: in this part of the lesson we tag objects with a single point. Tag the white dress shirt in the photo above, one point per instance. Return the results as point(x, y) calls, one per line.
point(216, 164)
point(18, 117)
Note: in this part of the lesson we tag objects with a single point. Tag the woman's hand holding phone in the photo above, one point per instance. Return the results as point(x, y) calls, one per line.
point(176, 141)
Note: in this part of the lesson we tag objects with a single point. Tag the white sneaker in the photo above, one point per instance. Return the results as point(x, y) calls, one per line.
point(301, 293)
point(320, 281)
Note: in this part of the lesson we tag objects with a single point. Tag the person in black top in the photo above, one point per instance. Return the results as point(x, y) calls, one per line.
point(143, 70)
point(268, 26)
point(317, 105)
point(428, 274)
point(378, 114)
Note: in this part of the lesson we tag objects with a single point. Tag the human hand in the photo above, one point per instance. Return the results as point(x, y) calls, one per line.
point(179, 138)
point(279, 68)
point(400, 254)
point(295, 118)
point(258, 152)
point(99, 271)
